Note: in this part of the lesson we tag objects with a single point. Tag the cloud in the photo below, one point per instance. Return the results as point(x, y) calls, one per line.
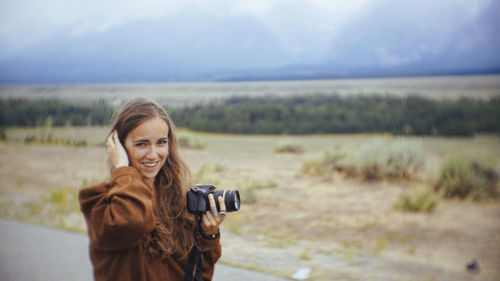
point(401, 32)
point(269, 33)
point(25, 21)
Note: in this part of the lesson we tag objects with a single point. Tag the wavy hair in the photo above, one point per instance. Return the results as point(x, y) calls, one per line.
point(173, 233)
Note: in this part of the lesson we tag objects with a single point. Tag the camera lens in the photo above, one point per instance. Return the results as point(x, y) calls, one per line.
point(231, 199)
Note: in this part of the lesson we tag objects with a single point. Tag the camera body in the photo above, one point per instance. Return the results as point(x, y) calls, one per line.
point(197, 198)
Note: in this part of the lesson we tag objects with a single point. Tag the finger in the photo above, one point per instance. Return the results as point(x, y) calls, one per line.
point(205, 223)
point(222, 204)
point(208, 227)
point(204, 219)
point(109, 140)
point(209, 219)
point(222, 213)
point(116, 139)
point(211, 201)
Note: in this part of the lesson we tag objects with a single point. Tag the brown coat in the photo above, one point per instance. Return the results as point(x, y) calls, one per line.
point(118, 215)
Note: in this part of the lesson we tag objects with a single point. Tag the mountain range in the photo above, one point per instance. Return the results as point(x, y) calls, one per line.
point(195, 45)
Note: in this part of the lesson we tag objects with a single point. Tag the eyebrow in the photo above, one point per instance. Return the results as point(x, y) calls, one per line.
point(147, 140)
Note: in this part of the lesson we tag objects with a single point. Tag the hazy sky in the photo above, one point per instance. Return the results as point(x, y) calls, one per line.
point(181, 39)
point(24, 21)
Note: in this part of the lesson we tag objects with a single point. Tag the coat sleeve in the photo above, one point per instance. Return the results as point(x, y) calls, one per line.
point(211, 252)
point(119, 214)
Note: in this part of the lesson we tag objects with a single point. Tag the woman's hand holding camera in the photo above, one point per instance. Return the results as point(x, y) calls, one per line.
point(211, 220)
point(117, 155)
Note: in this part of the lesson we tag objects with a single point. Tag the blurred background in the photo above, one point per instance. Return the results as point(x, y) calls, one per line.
point(363, 135)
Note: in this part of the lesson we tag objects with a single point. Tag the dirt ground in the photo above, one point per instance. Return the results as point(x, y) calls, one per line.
point(343, 229)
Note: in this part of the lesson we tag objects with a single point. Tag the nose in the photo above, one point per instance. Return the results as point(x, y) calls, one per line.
point(152, 152)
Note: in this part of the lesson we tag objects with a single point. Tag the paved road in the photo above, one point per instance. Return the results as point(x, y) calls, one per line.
point(29, 252)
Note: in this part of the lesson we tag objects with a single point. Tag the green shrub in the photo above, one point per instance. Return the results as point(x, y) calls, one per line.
point(404, 159)
point(466, 175)
point(208, 174)
point(373, 160)
point(418, 200)
point(248, 195)
point(369, 161)
point(59, 197)
point(289, 148)
point(380, 244)
point(332, 160)
point(378, 159)
point(192, 143)
point(258, 185)
point(50, 139)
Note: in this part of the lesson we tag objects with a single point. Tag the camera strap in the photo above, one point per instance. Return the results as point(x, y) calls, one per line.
point(193, 268)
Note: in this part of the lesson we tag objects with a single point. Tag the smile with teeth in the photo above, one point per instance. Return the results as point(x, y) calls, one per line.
point(150, 164)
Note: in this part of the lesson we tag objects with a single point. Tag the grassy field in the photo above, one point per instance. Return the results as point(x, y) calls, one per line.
point(343, 228)
point(181, 94)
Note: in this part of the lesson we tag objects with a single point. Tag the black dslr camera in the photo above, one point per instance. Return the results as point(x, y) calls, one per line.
point(197, 198)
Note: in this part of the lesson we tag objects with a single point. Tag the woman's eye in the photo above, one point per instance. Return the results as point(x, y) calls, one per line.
point(162, 142)
point(140, 144)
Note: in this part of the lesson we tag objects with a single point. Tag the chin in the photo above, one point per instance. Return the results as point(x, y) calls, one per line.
point(149, 175)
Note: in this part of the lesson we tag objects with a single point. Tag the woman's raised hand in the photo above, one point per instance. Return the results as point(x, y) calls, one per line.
point(117, 155)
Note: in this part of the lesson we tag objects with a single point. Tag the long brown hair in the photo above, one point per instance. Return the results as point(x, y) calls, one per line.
point(173, 233)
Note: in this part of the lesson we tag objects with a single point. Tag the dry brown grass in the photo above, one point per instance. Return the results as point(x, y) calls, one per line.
point(343, 228)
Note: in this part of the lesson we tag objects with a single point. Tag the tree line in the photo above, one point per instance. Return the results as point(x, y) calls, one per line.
point(32, 113)
point(312, 114)
point(334, 114)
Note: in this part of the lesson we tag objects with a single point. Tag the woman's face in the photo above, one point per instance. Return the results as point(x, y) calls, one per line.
point(147, 147)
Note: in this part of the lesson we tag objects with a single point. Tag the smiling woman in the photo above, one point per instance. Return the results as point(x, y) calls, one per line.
point(147, 147)
point(138, 223)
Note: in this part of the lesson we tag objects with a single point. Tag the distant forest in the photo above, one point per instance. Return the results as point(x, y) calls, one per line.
point(316, 114)
point(33, 113)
